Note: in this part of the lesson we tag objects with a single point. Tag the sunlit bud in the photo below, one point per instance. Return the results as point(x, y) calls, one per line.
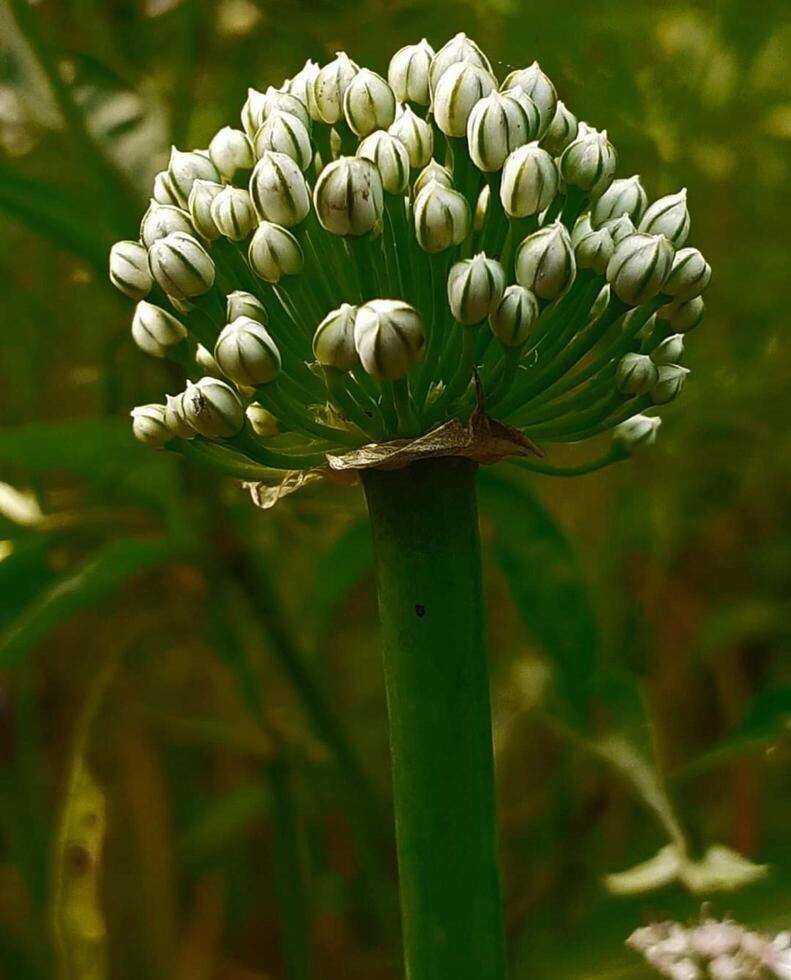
point(276, 100)
point(329, 88)
point(230, 150)
point(348, 197)
point(589, 163)
point(670, 381)
point(458, 90)
point(620, 228)
point(545, 262)
point(333, 343)
point(683, 316)
point(636, 433)
point(301, 85)
point(253, 112)
point(512, 319)
point(262, 422)
point(279, 190)
point(539, 87)
point(246, 352)
point(174, 417)
point(233, 213)
point(391, 159)
point(200, 201)
point(149, 427)
point(162, 219)
point(594, 251)
point(668, 216)
point(459, 50)
point(498, 124)
point(529, 181)
point(129, 270)
point(181, 265)
point(434, 172)
point(154, 330)
point(636, 374)
point(187, 167)
point(205, 361)
point(283, 132)
point(639, 267)
point(408, 73)
point(582, 227)
point(442, 217)
point(213, 409)
point(689, 276)
point(274, 252)
point(482, 207)
point(624, 196)
point(164, 192)
point(561, 131)
point(670, 351)
point(475, 287)
point(416, 135)
point(389, 337)
point(239, 303)
point(368, 103)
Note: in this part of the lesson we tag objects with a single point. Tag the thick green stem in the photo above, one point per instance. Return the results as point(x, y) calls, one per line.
point(425, 530)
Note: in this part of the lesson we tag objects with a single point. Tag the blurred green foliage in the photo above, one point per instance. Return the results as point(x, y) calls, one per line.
point(203, 678)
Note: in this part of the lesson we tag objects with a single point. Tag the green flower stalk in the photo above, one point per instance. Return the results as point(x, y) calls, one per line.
point(373, 264)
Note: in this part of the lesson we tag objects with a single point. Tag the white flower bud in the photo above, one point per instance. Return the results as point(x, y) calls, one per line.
point(582, 227)
point(636, 433)
point(253, 112)
point(391, 159)
point(514, 316)
point(233, 213)
point(458, 89)
point(639, 267)
point(200, 201)
point(625, 196)
point(333, 343)
point(620, 228)
point(389, 337)
point(433, 172)
point(129, 270)
point(301, 86)
point(163, 219)
point(230, 150)
point(685, 315)
point(262, 422)
point(186, 168)
point(670, 351)
point(348, 197)
point(594, 251)
point(368, 103)
point(275, 100)
point(205, 361)
point(670, 381)
point(459, 50)
point(538, 86)
point(246, 352)
point(283, 132)
point(154, 330)
point(498, 124)
point(529, 181)
point(689, 276)
point(329, 88)
point(545, 262)
point(561, 131)
point(475, 287)
point(408, 73)
point(181, 265)
point(175, 419)
point(668, 216)
point(213, 409)
point(239, 303)
point(636, 374)
point(164, 192)
point(274, 253)
point(148, 426)
point(442, 217)
point(589, 162)
point(482, 207)
point(416, 135)
point(279, 190)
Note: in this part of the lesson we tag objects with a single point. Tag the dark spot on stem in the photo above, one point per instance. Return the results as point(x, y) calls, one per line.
point(420, 611)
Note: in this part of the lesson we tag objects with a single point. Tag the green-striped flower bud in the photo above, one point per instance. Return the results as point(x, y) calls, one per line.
point(175, 419)
point(529, 181)
point(154, 330)
point(246, 353)
point(200, 201)
point(181, 266)
point(348, 197)
point(442, 217)
point(408, 73)
point(498, 124)
point(282, 132)
point(230, 151)
point(301, 86)
point(459, 50)
point(668, 216)
point(277, 100)
point(333, 343)
point(213, 409)
point(625, 196)
point(279, 190)
point(205, 361)
point(416, 135)
point(635, 434)
point(538, 86)
point(639, 267)
point(689, 276)
point(233, 213)
point(670, 351)
point(389, 337)
point(262, 422)
point(670, 381)
point(514, 316)
point(482, 207)
point(561, 131)
point(368, 103)
point(129, 270)
point(589, 163)
point(274, 253)
point(148, 426)
point(391, 159)
point(594, 251)
point(582, 227)
point(253, 112)
point(636, 374)
point(545, 262)
point(185, 169)
point(239, 303)
point(330, 87)
point(164, 192)
point(685, 315)
point(163, 219)
point(475, 287)
point(433, 172)
point(620, 228)
point(458, 90)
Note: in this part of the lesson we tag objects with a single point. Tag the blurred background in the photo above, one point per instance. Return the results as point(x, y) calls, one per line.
point(193, 747)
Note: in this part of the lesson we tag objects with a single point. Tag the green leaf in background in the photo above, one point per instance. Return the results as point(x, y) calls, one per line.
point(338, 570)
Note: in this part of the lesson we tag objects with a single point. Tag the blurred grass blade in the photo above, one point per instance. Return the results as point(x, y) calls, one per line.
point(338, 570)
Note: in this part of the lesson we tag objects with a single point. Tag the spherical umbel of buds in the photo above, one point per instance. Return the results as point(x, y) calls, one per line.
point(239, 303)
point(416, 135)
point(459, 88)
point(639, 267)
point(279, 191)
point(391, 159)
point(538, 86)
point(670, 381)
point(442, 217)
point(589, 162)
point(545, 262)
point(670, 351)
point(149, 426)
point(529, 182)
point(200, 201)
point(154, 330)
point(162, 219)
point(408, 73)
point(624, 196)
point(668, 216)
point(274, 253)
point(329, 88)
point(233, 213)
point(213, 409)
point(636, 433)
point(475, 287)
point(368, 103)
point(514, 316)
point(246, 353)
point(333, 342)
point(389, 337)
point(498, 124)
point(561, 131)
point(181, 266)
point(432, 172)
point(683, 316)
point(230, 151)
point(636, 374)
point(689, 276)
point(349, 197)
point(129, 269)
point(459, 50)
point(594, 250)
point(185, 169)
point(282, 132)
